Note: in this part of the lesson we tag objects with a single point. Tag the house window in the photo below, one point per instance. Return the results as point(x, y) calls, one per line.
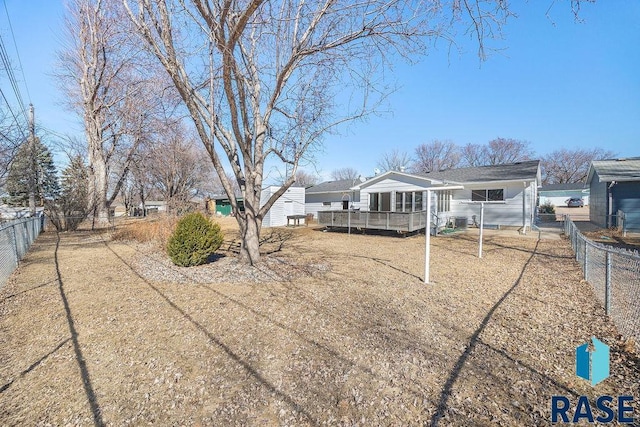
point(373, 201)
point(326, 204)
point(487, 195)
point(404, 201)
point(408, 202)
point(418, 204)
point(380, 202)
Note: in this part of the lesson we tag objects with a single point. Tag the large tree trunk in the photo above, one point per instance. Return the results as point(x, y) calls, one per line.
point(250, 224)
point(250, 244)
point(99, 184)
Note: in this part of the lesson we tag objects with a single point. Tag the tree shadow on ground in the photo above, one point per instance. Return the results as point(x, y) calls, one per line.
point(447, 389)
point(224, 347)
point(271, 242)
point(82, 364)
point(34, 365)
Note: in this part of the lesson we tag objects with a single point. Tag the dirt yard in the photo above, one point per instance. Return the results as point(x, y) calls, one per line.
point(331, 329)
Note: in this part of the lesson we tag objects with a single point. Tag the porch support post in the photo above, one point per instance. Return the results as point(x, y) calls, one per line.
point(427, 232)
point(481, 228)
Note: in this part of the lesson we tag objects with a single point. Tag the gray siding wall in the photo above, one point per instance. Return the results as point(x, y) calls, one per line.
point(626, 197)
point(316, 202)
point(598, 201)
point(507, 214)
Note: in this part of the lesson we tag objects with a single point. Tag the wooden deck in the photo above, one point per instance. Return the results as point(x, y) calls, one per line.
point(397, 221)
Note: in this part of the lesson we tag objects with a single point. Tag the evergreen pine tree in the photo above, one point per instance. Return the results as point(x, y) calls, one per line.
point(22, 172)
point(74, 195)
point(70, 208)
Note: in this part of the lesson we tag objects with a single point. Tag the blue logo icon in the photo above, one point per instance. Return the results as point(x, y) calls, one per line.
point(592, 361)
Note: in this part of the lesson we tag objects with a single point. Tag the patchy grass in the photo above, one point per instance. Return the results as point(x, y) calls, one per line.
point(335, 330)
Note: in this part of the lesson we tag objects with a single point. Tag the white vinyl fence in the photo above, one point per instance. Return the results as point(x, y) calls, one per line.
point(15, 239)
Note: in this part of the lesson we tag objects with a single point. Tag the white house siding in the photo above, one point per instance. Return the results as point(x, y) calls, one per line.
point(331, 201)
point(507, 214)
point(290, 203)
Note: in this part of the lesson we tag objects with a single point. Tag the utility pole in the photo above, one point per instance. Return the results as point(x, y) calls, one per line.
point(33, 176)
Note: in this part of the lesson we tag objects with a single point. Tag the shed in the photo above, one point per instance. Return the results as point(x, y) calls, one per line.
point(290, 203)
point(223, 205)
point(615, 187)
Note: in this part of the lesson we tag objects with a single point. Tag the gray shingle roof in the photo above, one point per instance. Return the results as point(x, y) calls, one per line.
point(526, 171)
point(616, 170)
point(332, 186)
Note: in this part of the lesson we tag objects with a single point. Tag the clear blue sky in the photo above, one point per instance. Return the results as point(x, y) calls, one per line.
point(559, 83)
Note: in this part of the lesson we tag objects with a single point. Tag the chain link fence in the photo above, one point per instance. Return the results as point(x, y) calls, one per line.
point(614, 274)
point(15, 239)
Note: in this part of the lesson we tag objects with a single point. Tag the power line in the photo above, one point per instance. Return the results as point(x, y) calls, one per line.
point(13, 114)
point(12, 79)
point(24, 79)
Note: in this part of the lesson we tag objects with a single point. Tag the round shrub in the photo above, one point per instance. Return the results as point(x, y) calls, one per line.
point(194, 240)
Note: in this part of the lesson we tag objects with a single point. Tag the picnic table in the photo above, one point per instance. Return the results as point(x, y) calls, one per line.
point(296, 219)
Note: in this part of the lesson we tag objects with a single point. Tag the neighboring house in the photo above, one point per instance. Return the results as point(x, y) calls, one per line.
point(615, 186)
point(8, 213)
point(511, 187)
point(558, 194)
point(290, 203)
point(332, 195)
point(155, 206)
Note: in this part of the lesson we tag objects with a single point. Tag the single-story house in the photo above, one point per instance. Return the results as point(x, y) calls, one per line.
point(509, 192)
point(615, 186)
point(289, 204)
point(332, 195)
point(558, 194)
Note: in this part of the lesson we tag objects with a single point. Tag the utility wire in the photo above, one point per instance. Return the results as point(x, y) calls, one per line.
point(12, 79)
point(13, 114)
point(24, 79)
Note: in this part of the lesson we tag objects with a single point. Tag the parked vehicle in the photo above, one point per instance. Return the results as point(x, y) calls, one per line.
point(575, 202)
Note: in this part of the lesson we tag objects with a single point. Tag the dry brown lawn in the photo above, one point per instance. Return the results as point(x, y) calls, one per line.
point(331, 329)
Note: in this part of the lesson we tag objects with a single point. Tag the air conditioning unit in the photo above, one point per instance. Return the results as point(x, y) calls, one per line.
point(460, 222)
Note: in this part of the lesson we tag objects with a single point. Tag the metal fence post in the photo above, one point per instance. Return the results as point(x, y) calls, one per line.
point(15, 247)
point(584, 258)
point(586, 262)
point(607, 285)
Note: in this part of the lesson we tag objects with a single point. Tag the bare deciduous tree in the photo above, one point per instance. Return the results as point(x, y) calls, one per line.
point(498, 151)
point(305, 179)
point(570, 166)
point(101, 76)
point(177, 168)
point(12, 133)
point(344, 173)
point(436, 156)
point(394, 160)
point(259, 78)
